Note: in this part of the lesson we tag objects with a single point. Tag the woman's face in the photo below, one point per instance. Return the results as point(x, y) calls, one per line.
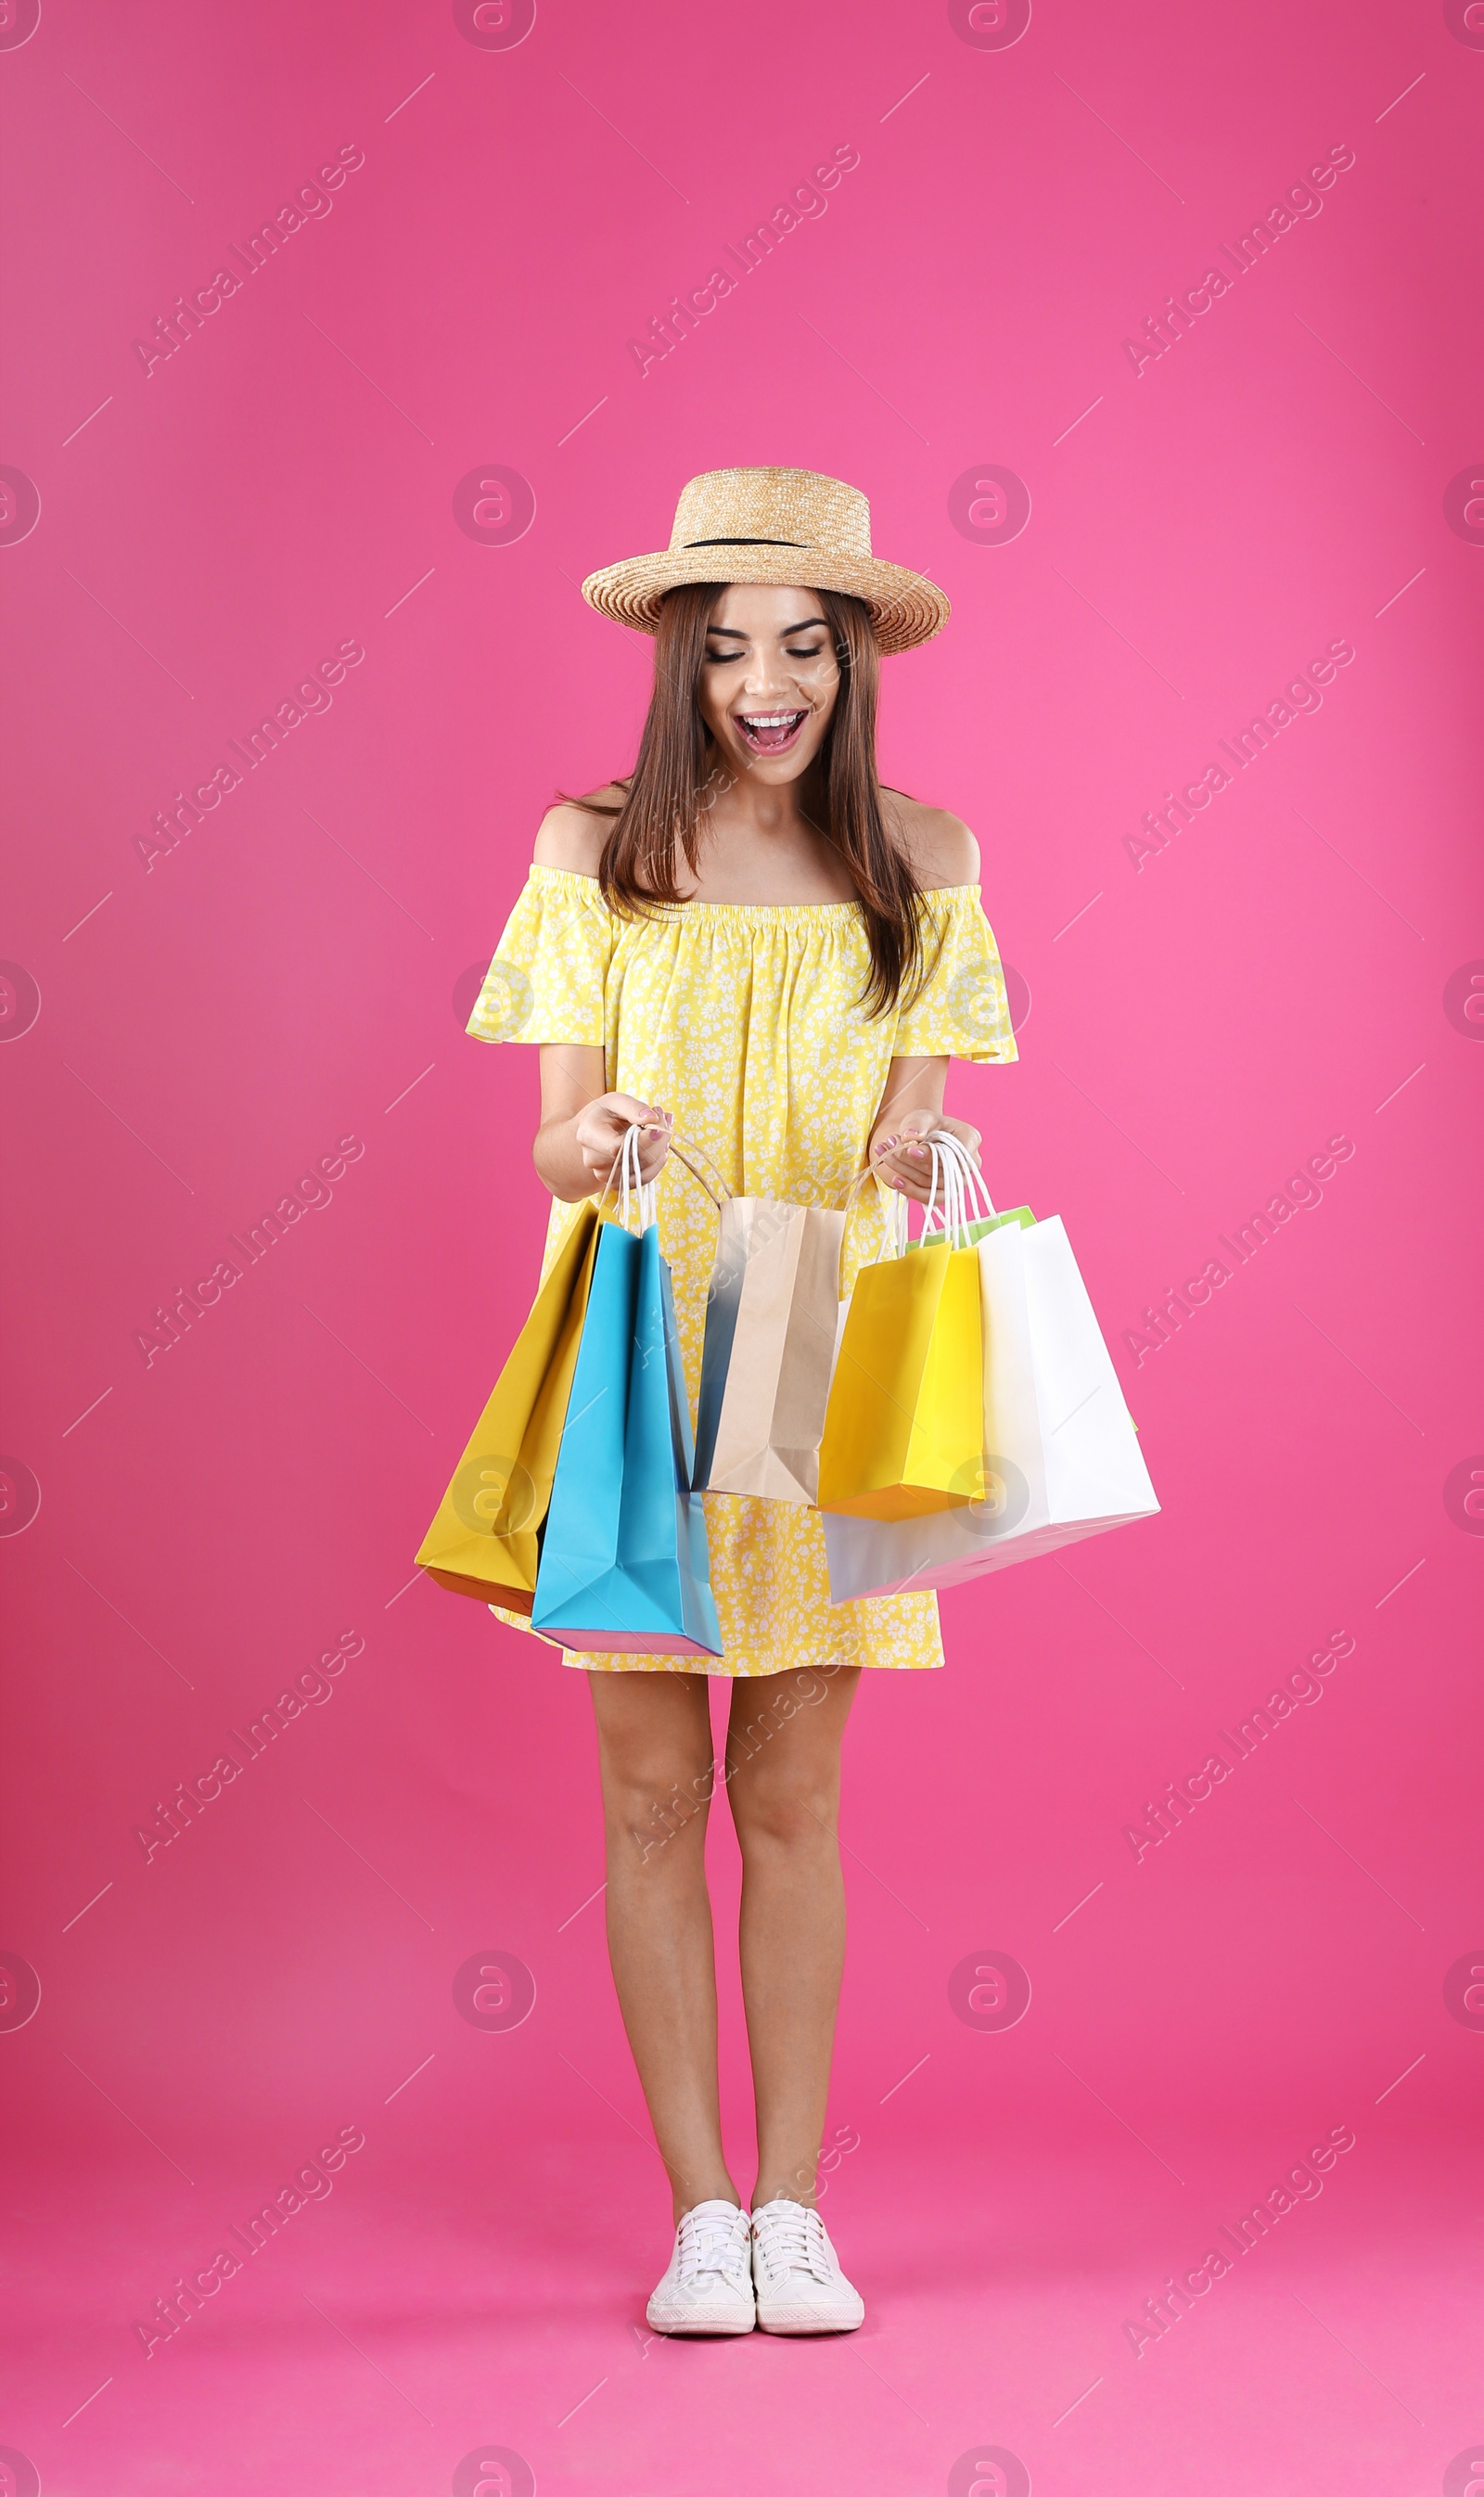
point(770, 680)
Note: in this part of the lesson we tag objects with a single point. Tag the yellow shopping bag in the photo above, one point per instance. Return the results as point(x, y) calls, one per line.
point(904, 1425)
point(483, 1541)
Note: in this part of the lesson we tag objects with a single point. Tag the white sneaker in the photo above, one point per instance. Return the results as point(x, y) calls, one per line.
point(708, 2287)
point(796, 2273)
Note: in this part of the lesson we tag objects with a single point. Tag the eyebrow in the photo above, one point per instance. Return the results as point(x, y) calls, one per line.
point(786, 632)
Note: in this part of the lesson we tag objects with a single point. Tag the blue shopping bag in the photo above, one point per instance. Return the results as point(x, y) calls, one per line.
point(624, 1566)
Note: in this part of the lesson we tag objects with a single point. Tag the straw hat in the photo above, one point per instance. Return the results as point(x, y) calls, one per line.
point(774, 524)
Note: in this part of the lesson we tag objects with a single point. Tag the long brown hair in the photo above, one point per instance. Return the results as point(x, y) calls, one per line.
point(666, 794)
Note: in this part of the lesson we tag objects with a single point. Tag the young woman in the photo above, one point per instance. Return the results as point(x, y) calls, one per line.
point(749, 942)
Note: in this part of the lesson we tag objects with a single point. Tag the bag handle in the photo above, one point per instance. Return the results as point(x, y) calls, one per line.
point(946, 1180)
point(631, 1188)
point(625, 1169)
point(894, 1209)
point(948, 1165)
point(688, 1149)
point(957, 1186)
point(977, 1186)
point(965, 1185)
point(951, 1218)
point(683, 1148)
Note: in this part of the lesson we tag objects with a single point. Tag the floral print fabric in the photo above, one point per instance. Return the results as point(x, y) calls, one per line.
point(746, 1022)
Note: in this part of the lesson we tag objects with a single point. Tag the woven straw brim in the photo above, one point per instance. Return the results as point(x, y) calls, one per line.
point(906, 609)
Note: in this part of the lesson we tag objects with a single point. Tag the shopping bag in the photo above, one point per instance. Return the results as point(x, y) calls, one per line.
point(903, 1431)
point(1061, 1454)
point(483, 1541)
point(625, 1567)
point(769, 1348)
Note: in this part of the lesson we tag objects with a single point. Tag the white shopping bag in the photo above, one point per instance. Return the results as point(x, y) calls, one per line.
point(1061, 1455)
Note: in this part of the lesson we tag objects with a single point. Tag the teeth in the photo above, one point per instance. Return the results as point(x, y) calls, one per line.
point(770, 718)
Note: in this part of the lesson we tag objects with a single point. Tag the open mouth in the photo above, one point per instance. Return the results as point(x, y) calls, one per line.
point(768, 732)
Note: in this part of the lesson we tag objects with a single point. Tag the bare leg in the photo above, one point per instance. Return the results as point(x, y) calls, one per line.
point(783, 1745)
point(654, 1751)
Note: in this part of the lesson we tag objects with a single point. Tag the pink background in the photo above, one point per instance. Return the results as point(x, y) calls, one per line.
point(209, 1027)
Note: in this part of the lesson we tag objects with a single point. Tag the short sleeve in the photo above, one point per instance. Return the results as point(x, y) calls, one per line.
point(961, 1010)
point(547, 980)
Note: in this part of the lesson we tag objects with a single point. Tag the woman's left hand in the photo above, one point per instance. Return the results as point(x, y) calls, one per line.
point(899, 1149)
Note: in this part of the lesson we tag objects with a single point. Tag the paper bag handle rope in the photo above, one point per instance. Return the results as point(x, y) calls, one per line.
point(974, 1183)
point(625, 1166)
point(956, 1179)
point(963, 1183)
point(951, 1218)
point(683, 1148)
point(631, 1190)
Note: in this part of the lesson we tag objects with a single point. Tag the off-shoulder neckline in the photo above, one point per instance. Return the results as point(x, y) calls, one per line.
point(754, 909)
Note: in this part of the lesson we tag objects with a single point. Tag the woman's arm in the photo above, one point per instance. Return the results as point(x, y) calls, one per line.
point(912, 1110)
point(582, 1127)
point(943, 853)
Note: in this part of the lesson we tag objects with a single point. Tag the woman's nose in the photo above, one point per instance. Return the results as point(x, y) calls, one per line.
point(766, 677)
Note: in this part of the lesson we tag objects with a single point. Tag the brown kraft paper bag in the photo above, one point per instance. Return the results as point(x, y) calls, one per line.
point(769, 1340)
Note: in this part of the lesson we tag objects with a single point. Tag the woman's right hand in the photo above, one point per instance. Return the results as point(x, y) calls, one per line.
point(598, 1132)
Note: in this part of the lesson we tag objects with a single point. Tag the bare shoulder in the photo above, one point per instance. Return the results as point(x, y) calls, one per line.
point(571, 838)
point(941, 849)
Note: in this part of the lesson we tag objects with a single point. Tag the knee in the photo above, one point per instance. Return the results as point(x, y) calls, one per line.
point(653, 1797)
point(791, 1808)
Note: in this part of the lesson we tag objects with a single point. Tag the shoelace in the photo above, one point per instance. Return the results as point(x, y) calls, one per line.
point(792, 2239)
point(708, 2243)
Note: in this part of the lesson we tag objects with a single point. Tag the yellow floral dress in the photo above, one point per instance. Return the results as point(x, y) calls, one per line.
point(744, 1021)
